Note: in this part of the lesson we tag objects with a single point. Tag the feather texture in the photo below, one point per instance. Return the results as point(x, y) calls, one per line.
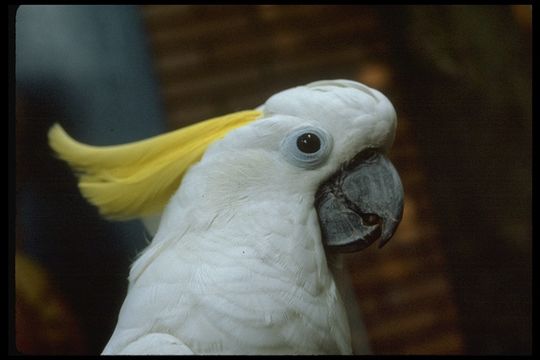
point(238, 265)
point(137, 179)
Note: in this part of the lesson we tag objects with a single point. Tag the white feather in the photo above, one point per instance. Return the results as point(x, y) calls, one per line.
point(237, 265)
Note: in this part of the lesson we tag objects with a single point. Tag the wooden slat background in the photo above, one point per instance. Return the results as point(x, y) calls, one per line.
point(212, 60)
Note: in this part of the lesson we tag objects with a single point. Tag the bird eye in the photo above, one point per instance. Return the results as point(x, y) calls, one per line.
point(307, 147)
point(308, 143)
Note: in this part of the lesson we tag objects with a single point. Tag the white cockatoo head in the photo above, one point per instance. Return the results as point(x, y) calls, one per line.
point(323, 143)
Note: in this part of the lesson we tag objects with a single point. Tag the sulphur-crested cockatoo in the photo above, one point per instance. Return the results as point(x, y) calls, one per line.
point(255, 205)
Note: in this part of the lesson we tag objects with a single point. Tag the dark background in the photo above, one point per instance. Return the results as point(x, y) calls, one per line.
point(457, 277)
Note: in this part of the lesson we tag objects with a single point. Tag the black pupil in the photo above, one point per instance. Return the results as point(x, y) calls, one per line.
point(308, 143)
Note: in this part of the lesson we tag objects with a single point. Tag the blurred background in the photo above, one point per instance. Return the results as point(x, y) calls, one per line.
point(457, 276)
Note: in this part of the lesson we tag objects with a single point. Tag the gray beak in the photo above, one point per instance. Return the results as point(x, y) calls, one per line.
point(361, 203)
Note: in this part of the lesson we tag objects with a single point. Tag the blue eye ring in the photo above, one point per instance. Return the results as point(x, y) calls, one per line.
point(307, 147)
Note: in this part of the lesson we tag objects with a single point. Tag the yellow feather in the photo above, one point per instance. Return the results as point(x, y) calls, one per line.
point(137, 179)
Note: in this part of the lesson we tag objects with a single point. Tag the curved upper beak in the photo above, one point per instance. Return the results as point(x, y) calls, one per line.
point(361, 203)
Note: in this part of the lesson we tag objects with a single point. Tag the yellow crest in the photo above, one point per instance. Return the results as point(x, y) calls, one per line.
point(138, 179)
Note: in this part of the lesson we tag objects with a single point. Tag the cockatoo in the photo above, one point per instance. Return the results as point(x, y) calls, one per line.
point(256, 206)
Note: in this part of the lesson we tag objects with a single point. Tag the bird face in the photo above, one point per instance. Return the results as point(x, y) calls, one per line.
point(347, 130)
point(324, 142)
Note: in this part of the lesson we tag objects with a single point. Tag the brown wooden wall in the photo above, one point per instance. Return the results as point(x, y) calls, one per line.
point(212, 60)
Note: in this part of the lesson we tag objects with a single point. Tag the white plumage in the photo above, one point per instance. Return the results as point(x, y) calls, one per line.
point(238, 265)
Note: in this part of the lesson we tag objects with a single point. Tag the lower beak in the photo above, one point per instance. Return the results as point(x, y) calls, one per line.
point(360, 204)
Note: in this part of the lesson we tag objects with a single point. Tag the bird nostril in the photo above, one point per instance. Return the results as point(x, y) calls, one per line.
point(367, 156)
point(371, 219)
